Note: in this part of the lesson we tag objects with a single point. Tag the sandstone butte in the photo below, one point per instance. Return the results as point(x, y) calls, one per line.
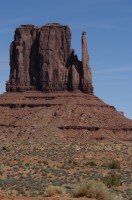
point(50, 96)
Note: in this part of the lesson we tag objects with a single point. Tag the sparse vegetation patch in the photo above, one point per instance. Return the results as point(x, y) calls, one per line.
point(48, 169)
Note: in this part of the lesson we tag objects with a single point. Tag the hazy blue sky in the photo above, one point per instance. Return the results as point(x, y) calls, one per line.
point(108, 24)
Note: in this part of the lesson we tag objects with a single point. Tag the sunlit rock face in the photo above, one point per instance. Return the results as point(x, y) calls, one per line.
point(41, 59)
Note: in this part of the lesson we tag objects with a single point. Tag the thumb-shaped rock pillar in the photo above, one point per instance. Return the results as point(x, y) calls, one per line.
point(87, 74)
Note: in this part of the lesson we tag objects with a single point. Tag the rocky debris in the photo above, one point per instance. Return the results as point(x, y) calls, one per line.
point(41, 59)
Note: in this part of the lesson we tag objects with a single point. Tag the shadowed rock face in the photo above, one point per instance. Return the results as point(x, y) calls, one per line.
point(41, 59)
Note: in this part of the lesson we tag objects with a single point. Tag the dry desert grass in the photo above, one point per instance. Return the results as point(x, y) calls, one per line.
point(26, 170)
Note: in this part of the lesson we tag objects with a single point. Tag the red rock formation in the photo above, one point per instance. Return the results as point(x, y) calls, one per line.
point(87, 74)
point(41, 59)
point(60, 116)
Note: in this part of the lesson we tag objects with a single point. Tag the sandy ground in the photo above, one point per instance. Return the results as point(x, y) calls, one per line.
point(46, 198)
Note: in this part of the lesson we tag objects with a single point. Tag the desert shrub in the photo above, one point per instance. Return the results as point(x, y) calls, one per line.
point(46, 162)
point(5, 148)
point(52, 190)
point(93, 189)
point(115, 164)
point(1, 172)
point(74, 162)
point(112, 179)
point(129, 192)
point(91, 163)
point(27, 25)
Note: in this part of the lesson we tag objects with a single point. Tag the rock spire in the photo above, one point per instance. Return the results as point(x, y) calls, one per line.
point(41, 59)
point(87, 74)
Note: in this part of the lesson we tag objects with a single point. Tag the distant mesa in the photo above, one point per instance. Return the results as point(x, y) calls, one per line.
point(41, 59)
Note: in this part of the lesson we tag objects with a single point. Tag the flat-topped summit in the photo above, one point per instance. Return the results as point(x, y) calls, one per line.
point(41, 59)
point(38, 27)
point(55, 24)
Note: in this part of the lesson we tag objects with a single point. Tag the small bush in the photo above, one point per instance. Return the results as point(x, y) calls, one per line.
point(91, 163)
point(27, 25)
point(52, 190)
point(93, 189)
point(74, 162)
point(112, 180)
point(4, 148)
point(115, 164)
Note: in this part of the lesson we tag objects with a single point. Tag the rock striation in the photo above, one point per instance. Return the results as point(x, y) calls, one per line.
point(37, 116)
point(41, 59)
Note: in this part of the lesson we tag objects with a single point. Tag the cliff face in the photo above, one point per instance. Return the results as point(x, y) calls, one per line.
point(41, 59)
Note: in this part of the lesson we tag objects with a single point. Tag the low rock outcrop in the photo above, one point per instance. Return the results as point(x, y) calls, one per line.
point(41, 59)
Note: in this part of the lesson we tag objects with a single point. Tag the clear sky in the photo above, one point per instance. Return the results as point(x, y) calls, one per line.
point(108, 24)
